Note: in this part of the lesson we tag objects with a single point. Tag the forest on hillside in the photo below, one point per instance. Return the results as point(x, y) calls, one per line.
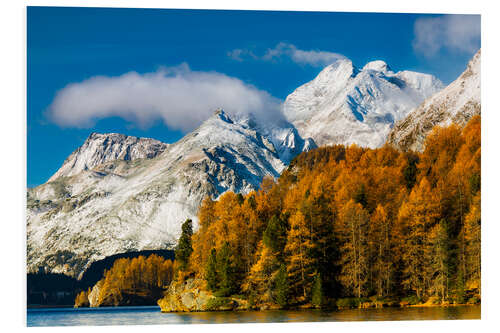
point(345, 224)
point(130, 281)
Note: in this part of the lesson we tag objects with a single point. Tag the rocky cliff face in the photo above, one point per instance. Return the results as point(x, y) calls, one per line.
point(105, 201)
point(345, 105)
point(456, 103)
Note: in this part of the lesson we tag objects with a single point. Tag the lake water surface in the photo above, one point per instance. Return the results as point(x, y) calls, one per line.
point(151, 315)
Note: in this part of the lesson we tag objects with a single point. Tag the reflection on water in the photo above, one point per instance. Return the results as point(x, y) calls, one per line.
point(151, 315)
point(386, 314)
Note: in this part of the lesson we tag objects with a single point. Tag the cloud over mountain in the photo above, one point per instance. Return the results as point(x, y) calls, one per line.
point(180, 97)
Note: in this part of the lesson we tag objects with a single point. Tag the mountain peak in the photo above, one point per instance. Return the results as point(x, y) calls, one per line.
point(344, 105)
point(100, 148)
point(222, 115)
point(378, 65)
point(340, 68)
point(219, 111)
point(99, 136)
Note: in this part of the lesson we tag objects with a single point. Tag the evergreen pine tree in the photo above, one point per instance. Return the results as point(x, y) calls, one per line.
point(281, 287)
point(225, 270)
point(211, 271)
point(410, 171)
point(184, 247)
point(326, 250)
point(275, 235)
point(360, 195)
point(240, 198)
point(317, 292)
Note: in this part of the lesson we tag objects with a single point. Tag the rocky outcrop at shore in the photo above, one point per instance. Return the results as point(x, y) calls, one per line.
point(191, 296)
point(94, 295)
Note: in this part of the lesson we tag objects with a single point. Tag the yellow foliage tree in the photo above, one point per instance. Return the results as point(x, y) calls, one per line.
point(354, 261)
point(300, 265)
point(419, 214)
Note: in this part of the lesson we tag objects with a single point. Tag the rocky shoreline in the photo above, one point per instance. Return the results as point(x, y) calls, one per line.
point(191, 296)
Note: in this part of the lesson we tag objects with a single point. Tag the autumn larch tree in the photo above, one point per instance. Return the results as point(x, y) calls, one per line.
point(419, 215)
point(438, 256)
point(381, 255)
point(300, 264)
point(354, 255)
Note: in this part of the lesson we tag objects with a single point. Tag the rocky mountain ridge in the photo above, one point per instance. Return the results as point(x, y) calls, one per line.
point(101, 148)
point(456, 103)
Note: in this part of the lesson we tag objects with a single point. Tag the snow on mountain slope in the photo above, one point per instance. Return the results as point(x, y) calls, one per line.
point(284, 136)
point(456, 103)
point(135, 204)
point(289, 143)
point(101, 148)
point(345, 105)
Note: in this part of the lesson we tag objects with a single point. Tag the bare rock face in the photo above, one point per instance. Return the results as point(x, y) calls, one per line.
point(185, 297)
point(346, 105)
point(190, 296)
point(119, 194)
point(93, 296)
point(457, 103)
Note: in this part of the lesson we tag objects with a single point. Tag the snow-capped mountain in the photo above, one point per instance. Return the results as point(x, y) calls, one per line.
point(101, 148)
point(456, 103)
point(345, 105)
point(90, 210)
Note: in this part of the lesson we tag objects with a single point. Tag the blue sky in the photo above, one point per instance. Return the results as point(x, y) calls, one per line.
point(82, 63)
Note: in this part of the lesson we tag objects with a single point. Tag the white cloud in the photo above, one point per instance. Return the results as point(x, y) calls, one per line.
point(315, 58)
point(456, 33)
point(182, 98)
point(312, 57)
point(240, 54)
point(237, 54)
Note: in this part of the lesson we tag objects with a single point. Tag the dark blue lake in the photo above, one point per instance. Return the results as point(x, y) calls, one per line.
point(151, 315)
